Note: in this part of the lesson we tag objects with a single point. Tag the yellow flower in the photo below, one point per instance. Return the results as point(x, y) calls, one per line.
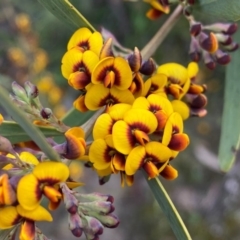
point(155, 84)
point(113, 71)
point(77, 67)
point(158, 105)
point(148, 157)
point(75, 143)
point(44, 180)
point(157, 9)
point(7, 193)
point(86, 40)
point(173, 135)
point(107, 159)
point(98, 96)
point(134, 129)
point(13, 215)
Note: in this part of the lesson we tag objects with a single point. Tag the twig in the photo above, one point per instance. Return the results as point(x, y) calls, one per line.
point(158, 38)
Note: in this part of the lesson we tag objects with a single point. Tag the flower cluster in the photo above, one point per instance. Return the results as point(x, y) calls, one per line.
point(211, 42)
point(145, 105)
point(27, 176)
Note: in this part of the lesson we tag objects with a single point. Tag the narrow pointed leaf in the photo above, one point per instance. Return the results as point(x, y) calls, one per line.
point(168, 209)
point(26, 125)
point(67, 13)
point(228, 10)
point(15, 134)
point(75, 118)
point(230, 127)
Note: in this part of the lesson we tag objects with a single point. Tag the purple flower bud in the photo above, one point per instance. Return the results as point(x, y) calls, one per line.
point(75, 224)
point(70, 201)
point(94, 225)
point(197, 101)
point(109, 221)
point(46, 113)
point(100, 207)
point(222, 57)
point(195, 28)
point(195, 50)
point(232, 47)
point(198, 112)
point(95, 196)
point(148, 67)
point(223, 38)
point(208, 60)
point(135, 60)
point(227, 28)
point(208, 42)
point(31, 89)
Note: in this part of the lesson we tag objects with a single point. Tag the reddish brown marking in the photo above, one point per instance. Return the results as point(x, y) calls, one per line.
point(140, 126)
point(81, 67)
point(84, 44)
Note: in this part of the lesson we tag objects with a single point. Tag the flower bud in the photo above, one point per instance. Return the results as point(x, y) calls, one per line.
point(148, 67)
point(198, 101)
point(198, 112)
point(94, 225)
point(226, 28)
point(20, 92)
point(208, 42)
point(222, 57)
point(100, 207)
point(106, 50)
point(208, 60)
point(231, 47)
point(195, 28)
point(31, 89)
point(195, 50)
point(95, 197)
point(70, 201)
point(46, 113)
point(75, 224)
point(135, 60)
point(223, 38)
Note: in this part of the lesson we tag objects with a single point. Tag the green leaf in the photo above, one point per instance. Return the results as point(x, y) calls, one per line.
point(67, 13)
point(75, 118)
point(26, 125)
point(15, 134)
point(230, 128)
point(221, 9)
point(168, 209)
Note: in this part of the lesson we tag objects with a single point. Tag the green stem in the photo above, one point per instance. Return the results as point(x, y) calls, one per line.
point(169, 209)
point(151, 47)
point(26, 125)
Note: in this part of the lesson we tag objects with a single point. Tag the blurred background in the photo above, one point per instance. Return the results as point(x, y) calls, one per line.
point(32, 43)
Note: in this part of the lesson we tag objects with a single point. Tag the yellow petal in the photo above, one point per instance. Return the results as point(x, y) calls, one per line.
point(75, 131)
point(71, 61)
point(79, 104)
point(141, 119)
point(123, 138)
point(103, 126)
point(79, 38)
point(96, 42)
point(175, 72)
point(182, 108)
point(169, 172)
point(27, 231)
point(192, 70)
point(28, 192)
point(9, 217)
point(158, 152)
point(51, 172)
point(99, 154)
point(135, 159)
point(101, 69)
point(29, 158)
point(117, 111)
point(37, 214)
point(120, 96)
point(96, 97)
